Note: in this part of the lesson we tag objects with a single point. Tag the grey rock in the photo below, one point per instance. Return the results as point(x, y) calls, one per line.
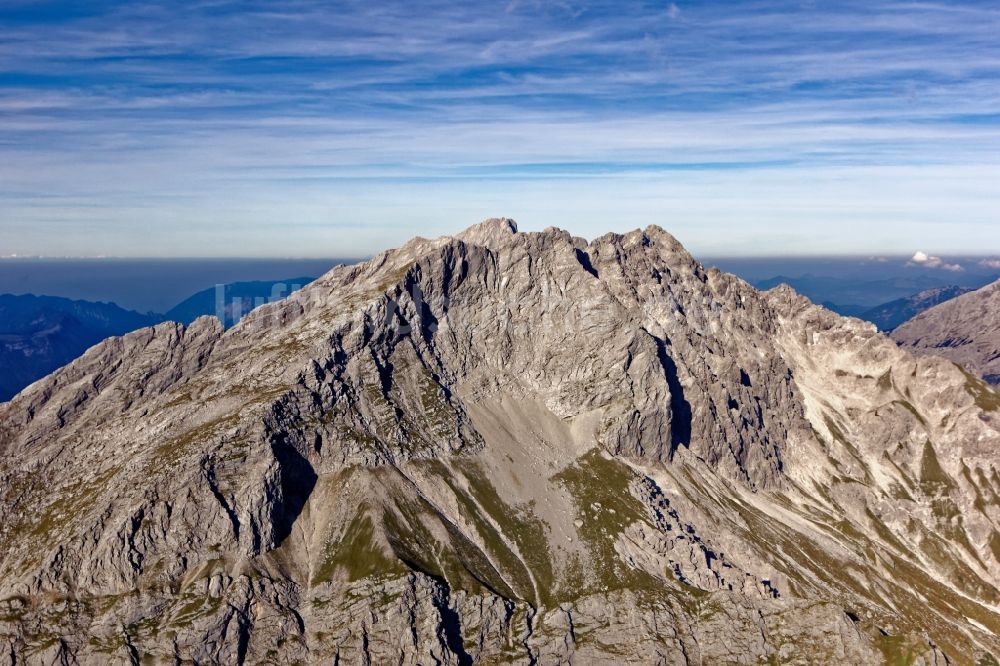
point(504, 447)
point(965, 329)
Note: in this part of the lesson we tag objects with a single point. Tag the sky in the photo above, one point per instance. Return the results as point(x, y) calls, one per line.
point(317, 129)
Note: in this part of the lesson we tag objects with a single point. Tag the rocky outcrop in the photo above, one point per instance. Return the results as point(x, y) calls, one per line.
point(965, 329)
point(504, 447)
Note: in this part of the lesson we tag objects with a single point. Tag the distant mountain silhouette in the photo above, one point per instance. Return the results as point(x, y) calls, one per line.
point(39, 334)
point(230, 302)
point(890, 315)
point(852, 297)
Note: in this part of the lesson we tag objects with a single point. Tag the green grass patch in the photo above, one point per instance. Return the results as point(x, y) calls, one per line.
point(987, 659)
point(191, 607)
point(454, 559)
point(987, 399)
point(600, 489)
point(519, 524)
point(884, 382)
point(933, 479)
point(174, 449)
point(896, 650)
point(885, 534)
point(73, 501)
point(357, 554)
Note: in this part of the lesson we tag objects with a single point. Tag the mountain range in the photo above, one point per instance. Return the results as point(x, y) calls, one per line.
point(965, 329)
point(39, 334)
point(229, 302)
point(854, 296)
point(505, 447)
point(890, 315)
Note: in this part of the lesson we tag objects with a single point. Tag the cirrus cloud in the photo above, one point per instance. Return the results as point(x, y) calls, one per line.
point(736, 125)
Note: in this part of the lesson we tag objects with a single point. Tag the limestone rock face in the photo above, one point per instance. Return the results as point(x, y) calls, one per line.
point(505, 447)
point(965, 330)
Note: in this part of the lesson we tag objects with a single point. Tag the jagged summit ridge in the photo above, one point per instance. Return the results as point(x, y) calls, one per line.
point(504, 447)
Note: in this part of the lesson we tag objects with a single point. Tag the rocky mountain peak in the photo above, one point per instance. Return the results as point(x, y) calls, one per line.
point(505, 447)
point(490, 232)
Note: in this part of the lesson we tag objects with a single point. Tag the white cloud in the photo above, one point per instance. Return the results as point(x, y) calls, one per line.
point(990, 263)
point(930, 261)
point(545, 112)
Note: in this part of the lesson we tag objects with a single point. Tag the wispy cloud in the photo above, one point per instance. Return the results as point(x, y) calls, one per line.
point(115, 105)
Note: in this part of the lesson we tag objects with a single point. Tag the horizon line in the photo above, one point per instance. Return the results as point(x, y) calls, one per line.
point(872, 255)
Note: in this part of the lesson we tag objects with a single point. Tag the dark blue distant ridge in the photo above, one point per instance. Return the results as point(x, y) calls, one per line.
point(229, 302)
point(39, 334)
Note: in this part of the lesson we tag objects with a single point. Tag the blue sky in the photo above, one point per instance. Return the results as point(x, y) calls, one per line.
point(302, 128)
